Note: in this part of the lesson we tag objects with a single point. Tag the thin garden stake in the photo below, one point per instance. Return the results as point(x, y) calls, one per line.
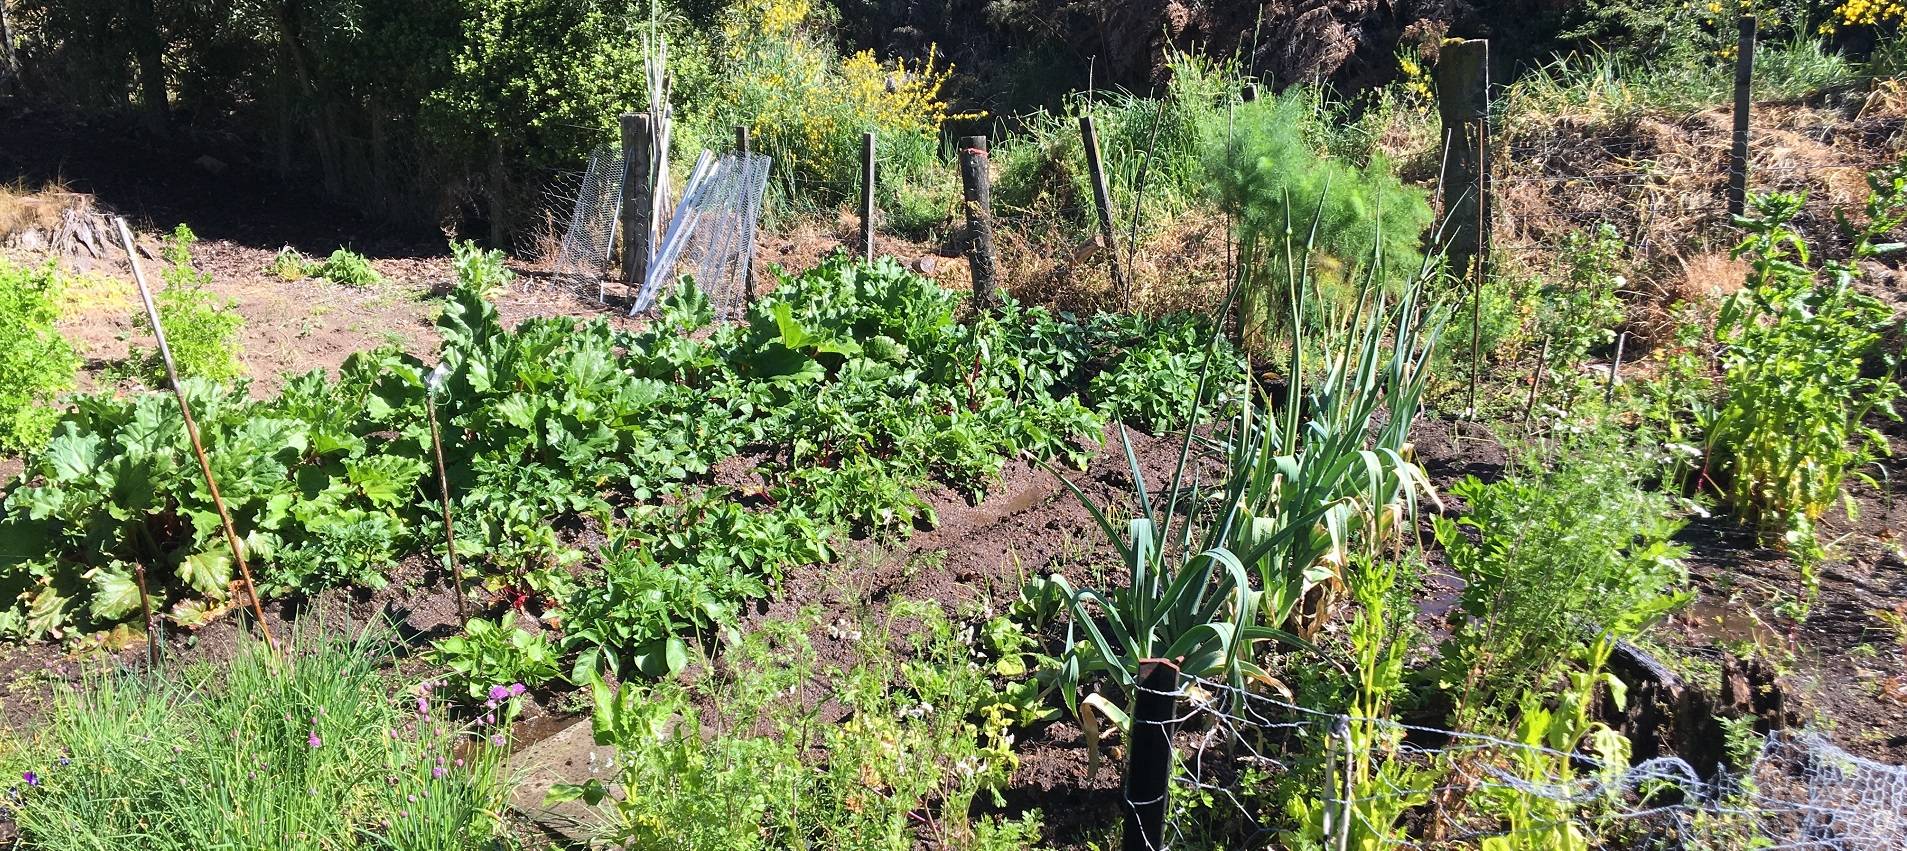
point(1615, 370)
point(1536, 380)
point(192, 429)
point(431, 386)
point(1348, 805)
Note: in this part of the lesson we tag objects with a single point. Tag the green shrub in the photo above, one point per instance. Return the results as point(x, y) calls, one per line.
point(1796, 344)
point(298, 752)
point(201, 328)
point(482, 272)
point(36, 362)
point(489, 654)
point(346, 267)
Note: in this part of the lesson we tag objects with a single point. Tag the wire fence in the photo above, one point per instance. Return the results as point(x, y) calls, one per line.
point(1383, 784)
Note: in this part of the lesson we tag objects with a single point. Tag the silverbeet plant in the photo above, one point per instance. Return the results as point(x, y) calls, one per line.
point(1259, 558)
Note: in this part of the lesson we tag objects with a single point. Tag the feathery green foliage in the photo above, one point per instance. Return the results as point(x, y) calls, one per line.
point(36, 362)
point(1270, 177)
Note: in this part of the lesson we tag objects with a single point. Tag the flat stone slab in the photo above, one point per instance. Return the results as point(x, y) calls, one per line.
point(566, 757)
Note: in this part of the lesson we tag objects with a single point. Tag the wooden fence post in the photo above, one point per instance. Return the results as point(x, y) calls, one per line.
point(1102, 200)
point(867, 195)
point(1149, 763)
point(1744, 89)
point(1463, 103)
point(977, 188)
point(638, 195)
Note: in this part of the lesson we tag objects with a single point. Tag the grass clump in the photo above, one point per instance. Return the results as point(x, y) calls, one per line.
point(201, 328)
point(307, 751)
point(36, 362)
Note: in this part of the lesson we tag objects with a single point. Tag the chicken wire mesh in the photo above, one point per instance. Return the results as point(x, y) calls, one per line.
point(1417, 787)
point(591, 199)
point(711, 236)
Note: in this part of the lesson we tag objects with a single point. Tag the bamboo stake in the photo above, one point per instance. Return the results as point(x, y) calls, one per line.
point(1536, 380)
point(431, 386)
point(192, 430)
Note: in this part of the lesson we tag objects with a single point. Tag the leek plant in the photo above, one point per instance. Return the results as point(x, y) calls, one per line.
point(1311, 477)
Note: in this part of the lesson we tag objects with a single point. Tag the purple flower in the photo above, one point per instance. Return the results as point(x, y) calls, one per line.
point(437, 773)
point(497, 740)
point(499, 692)
point(490, 718)
point(460, 762)
point(31, 778)
point(314, 741)
point(423, 706)
point(517, 689)
point(411, 798)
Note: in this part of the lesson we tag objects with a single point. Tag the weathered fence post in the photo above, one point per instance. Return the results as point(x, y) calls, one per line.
point(1149, 764)
point(192, 435)
point(1463, 103)
point(1102, 201)
point(638, 195)
point(977, 186)
point(1744, 89)
point(867, 195)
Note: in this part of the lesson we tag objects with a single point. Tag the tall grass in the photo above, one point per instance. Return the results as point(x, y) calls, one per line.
point(1606, 85)
point(1153, 149)
point(306, 751)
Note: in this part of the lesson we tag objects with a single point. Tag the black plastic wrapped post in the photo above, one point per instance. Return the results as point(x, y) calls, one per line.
point(1149, 766)
point(1744, 89)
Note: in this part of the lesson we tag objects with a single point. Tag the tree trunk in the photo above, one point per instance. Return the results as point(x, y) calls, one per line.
point(9, 61)
point(149, 52)
point(324, 131)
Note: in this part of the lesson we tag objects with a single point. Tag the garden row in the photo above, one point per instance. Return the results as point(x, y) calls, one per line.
point(851, 386)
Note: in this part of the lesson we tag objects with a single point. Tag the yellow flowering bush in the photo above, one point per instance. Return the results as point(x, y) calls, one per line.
point(1868, 13)
point(807, 106)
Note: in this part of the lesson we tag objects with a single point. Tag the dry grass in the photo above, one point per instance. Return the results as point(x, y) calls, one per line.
point(25, 209)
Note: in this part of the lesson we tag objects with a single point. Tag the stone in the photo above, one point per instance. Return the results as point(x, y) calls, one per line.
point(566, 757)
point(211, 164)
